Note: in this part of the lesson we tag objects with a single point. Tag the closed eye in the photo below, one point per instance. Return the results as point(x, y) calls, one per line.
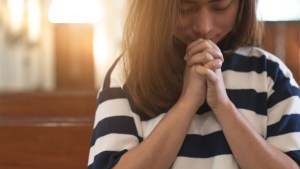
point(221, 5)
point(185, 11)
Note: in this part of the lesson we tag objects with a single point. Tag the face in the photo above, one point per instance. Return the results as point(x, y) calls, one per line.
point(207, 19)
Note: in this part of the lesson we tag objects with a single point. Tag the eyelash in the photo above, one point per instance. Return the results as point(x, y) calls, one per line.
point(191, 10)
point(221, 8)
point(187, 11)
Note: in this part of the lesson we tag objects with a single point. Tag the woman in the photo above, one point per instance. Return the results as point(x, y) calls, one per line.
point(192, 91)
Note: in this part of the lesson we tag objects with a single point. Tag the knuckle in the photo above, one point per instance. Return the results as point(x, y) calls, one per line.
point(217, 64)
point(213, 65)
point(207, 56)
point(200, 70)
point(207, 44)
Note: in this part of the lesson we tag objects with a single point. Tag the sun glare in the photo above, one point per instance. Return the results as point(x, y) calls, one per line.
point(16, 11)
point(279, 10)
point(74, 11)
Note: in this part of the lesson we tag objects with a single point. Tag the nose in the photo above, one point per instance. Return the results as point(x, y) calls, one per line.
point(202, 24)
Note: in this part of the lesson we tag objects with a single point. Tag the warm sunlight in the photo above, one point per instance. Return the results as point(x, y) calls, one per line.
point(74, 11)
point(279, 10)
point(16, 11)
point(101, 41)
point(34, 20)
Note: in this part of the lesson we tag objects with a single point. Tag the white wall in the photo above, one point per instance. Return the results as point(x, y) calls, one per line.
point(26, 64)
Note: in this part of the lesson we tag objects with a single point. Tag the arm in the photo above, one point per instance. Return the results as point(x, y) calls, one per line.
point(160, 148)
point(116, 131)
point(250, 149)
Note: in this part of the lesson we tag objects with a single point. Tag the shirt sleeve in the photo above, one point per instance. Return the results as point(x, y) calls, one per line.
point(116, 128)
point(114, 131)
point(283, 130)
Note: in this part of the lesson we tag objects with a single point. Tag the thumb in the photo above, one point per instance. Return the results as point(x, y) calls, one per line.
point(212, 76)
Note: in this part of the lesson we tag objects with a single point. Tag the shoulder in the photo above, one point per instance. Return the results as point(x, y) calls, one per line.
point(270, 61)
point(251, 51)
point(114, 79)
point(116, 75)
point(260, 60)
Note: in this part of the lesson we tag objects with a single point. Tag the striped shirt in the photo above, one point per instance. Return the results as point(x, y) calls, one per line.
point(259, 84)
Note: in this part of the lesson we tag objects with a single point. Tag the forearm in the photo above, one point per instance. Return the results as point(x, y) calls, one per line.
point(160, 148)
point(249, 148)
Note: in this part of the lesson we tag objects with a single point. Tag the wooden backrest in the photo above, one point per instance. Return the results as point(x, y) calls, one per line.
point(46, 130)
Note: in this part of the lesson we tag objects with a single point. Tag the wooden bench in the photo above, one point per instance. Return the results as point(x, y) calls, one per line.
point(46, 130)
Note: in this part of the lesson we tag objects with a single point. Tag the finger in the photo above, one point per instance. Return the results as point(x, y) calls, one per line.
point(194, 43)
point(196, 47)
point(214, 64)
point(201, 70)
point(203, 45)
point(212, 76)
point(217, 49)
point(200, 58)
point(216, 54)
point(213, 45)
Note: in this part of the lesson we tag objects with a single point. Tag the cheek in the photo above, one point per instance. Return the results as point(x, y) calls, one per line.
point(230, 20)
point(180, 27)
point(226, 24)
point(182, 24)
point(183, 27)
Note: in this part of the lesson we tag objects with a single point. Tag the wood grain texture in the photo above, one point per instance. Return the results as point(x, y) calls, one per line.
point(74, 57)
point(290, 34)
point(46, 130)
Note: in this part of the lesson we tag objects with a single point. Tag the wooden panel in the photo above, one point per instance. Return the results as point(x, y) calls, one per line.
point(47, 104)
point(46, 130)
point(44, 147)
point(74, 57)
point(269, 38)
point(284, 35)
point(293, 48)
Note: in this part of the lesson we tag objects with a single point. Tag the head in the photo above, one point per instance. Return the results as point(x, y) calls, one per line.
point(228, 23)
point(206, 19)
point(156, 35)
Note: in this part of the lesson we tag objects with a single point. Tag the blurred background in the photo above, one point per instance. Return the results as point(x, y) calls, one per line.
point(53, 58)
point(50, 45)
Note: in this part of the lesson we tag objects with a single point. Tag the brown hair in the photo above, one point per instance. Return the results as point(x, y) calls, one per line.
point(247, 30)
point(156, 65)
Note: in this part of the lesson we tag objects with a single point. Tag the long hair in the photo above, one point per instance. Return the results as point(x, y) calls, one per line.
point(247, 30)
point(156, 65)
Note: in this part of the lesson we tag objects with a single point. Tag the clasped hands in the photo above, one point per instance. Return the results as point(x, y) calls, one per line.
point(203, 80)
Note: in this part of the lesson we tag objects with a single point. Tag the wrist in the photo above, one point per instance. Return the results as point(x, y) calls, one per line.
point(188, 106)
point(226, 106)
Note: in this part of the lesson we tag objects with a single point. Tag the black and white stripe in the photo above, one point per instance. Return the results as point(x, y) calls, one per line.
point(258, 83)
